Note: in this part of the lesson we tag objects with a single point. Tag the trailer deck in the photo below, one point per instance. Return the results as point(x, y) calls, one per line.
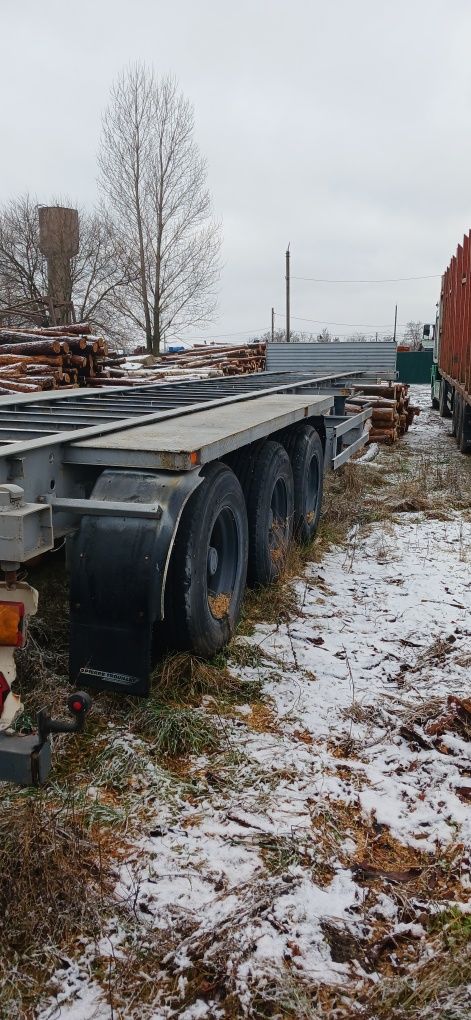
point(30, 417)
point(179, 444)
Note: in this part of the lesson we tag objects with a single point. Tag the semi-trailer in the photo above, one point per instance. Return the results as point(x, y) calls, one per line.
point(170, 498)
point(451, 370)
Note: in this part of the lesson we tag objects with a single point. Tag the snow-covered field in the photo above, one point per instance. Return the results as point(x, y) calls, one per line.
point(303, 860)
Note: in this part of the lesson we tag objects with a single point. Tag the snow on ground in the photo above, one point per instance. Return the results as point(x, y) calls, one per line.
point(255, 865)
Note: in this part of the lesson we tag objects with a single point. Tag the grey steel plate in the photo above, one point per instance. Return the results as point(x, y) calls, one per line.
point(182, 443)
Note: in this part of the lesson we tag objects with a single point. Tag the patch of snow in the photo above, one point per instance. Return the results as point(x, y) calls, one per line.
point(343, 677)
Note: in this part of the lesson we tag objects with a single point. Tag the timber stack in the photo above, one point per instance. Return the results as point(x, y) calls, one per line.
point(50, 358)
point(196, 363)
point(70, 356)
point(392, 412)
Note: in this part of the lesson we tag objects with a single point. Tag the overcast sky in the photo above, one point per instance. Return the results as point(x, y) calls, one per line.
point(343, 128)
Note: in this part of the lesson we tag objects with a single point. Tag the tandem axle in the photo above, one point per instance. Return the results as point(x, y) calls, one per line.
point(170, 502)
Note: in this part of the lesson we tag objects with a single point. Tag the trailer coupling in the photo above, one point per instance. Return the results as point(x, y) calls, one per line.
point(26, 759)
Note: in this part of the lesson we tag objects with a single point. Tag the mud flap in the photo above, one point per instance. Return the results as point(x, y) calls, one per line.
point(118, 568)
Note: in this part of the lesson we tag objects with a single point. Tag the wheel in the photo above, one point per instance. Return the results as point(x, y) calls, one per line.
point(442, 400)
point(463, 435)
point(304, 447)
point(268, 490)
point(435, 403)
point(209, 563)
point(455, 423)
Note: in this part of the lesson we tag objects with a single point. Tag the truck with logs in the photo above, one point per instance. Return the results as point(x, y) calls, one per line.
point(451, 370)
point(170, 498)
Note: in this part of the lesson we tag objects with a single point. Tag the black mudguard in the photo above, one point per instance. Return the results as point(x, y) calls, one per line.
point(118, 568)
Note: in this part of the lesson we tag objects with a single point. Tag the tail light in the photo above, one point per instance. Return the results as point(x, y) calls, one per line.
point(12, 624)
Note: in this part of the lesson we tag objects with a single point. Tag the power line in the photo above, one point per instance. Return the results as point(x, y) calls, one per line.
point(395, 279)
point(327, 322)
point(214, 336)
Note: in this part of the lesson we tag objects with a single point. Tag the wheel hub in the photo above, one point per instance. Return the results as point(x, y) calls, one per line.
point(213, 560)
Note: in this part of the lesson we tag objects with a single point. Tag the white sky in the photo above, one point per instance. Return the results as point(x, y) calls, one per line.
point(342, 127)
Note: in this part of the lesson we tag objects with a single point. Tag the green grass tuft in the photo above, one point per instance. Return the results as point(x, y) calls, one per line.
point(176, 730)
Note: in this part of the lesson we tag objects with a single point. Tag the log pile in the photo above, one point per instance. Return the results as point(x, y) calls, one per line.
point(50, 358)
point(197, 362)
point(69, 356)
point(392, 412)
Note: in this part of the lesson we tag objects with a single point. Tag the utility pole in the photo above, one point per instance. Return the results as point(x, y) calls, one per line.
point(395, 324)
point(273, 325)
point(287, 296)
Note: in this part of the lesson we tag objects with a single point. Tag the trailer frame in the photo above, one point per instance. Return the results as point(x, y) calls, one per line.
point(118, 488)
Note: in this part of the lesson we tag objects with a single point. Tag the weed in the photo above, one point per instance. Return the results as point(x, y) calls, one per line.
point(453, 926)
point(282, 605)
point(437, 989)
point(176, 730)
point(186, 679)
point(280, 853)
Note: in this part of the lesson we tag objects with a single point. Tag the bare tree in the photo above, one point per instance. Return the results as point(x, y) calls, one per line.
point(100, 272)
point(96, 272)
point(280, 337)
point(23, 280)
point(324, 337)
point(154, 181)
point(358, 338)
point(413, 335)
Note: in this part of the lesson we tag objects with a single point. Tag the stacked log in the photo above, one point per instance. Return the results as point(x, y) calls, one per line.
point(69, 356)
point(49, 358)
point(392, 413)
point(195, 363)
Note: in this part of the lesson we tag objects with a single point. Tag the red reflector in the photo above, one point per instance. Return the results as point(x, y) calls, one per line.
point(4, 691)
point(12, 616)
point(77, 706)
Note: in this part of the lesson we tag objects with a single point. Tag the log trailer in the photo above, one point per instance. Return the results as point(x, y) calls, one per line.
point(170, 498)
point(451, 370)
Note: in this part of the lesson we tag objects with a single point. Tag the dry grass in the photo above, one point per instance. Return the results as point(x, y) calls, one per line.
point(57, 873)
point(64, 844)
point(187, 678)
point(437, 987)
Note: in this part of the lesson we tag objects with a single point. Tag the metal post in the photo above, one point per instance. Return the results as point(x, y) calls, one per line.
point(395, 323)
point(273, 325)
point(287, 297)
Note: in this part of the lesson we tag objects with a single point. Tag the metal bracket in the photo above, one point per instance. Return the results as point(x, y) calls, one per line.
point(345, 434)
point(25, 528)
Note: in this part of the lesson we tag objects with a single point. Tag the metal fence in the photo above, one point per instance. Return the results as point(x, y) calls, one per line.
point(374, 360)
point(415, 366)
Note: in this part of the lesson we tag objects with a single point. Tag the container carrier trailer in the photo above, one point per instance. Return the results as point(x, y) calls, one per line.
point(170, 498)
point(451, 371)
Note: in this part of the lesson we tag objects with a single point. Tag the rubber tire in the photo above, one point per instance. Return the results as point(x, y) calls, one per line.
point(435, 403)
point(303, 444)
point(442, 402)
point(269, 464)
point(195, 627)
point(455, 418)
point(463, 435)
